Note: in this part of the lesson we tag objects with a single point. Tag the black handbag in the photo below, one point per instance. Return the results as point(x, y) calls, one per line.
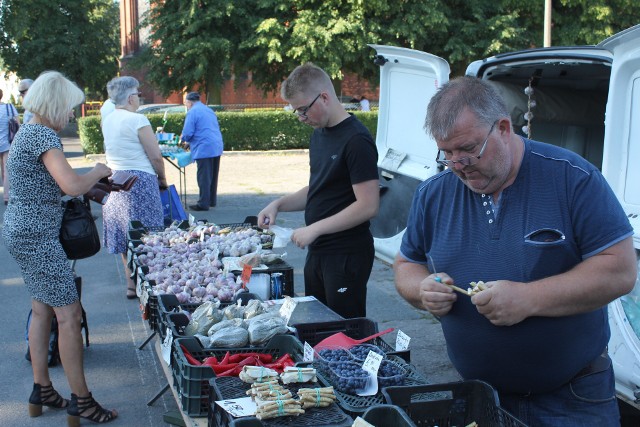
point(78, 233)
point(14, 126)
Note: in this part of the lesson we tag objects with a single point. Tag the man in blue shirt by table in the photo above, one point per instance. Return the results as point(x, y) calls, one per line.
point(543, 229)
point(201, 133)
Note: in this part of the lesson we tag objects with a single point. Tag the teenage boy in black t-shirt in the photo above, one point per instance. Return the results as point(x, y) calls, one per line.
point(341, 198)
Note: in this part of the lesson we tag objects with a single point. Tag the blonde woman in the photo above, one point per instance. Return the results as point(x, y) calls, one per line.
point(40, 174)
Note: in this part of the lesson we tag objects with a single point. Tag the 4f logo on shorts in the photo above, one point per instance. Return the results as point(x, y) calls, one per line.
point(342, 290)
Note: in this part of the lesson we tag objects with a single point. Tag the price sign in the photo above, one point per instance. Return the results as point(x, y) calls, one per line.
point(246, 275)
point(372, 363)
point(166, 347)
point(308, 353)
point(241, 407)
point(402, 341)
point(287, 308)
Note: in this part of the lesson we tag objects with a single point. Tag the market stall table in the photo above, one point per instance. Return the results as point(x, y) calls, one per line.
point(306, 309)
point(176, 157)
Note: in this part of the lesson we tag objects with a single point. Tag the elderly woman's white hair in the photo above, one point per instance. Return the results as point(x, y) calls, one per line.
point(52, 97)
point(120, 88)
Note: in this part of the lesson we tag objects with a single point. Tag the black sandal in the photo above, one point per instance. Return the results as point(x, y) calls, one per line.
point(45, 396)
point(132, 293)
point(89, 409)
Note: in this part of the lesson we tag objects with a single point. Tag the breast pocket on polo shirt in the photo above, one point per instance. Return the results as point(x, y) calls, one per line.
point(545, 237)
point(548, 249)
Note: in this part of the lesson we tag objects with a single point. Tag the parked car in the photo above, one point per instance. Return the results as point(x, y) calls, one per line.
point(587, 99)
point(161, 108)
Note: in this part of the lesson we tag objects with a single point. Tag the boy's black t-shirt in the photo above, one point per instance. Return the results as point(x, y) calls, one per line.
point(340, 156)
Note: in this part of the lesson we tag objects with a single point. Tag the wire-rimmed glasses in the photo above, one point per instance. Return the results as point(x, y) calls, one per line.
point(469, 160)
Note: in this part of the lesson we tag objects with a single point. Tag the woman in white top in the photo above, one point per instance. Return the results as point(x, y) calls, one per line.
point(130, 145)
point(6, 112)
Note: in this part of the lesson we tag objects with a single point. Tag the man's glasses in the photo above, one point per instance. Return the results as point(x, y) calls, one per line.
point(302, 111)
point(22, 92)
point(136, 93)
point(466, 161)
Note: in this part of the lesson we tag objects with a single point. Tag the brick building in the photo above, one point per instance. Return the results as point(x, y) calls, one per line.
point(242, 93)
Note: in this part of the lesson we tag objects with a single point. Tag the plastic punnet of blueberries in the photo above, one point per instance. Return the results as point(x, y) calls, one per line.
point(348, 377)
point(361, 351)
point(390, 374)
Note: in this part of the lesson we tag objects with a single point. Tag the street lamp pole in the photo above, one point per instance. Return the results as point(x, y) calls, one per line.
point(547, 23)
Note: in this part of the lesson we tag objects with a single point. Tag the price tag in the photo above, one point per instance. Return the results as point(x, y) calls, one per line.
point(287, 308)
point(166, 347)
point(241, 407)
point(192, 219)
point(308, 353)
point(372, 363)
point(402, 341)
point(245, 277)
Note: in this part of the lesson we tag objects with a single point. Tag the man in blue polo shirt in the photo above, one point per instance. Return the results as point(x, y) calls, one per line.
point(545, 232)
point(201, 133)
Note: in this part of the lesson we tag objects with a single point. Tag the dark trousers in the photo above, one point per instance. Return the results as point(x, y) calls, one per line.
point(340, 280)
point(207, 176)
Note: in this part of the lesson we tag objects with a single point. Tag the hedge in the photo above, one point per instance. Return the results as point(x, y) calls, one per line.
point(256, 130)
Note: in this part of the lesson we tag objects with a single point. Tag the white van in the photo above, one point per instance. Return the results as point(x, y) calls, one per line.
point(585, 98)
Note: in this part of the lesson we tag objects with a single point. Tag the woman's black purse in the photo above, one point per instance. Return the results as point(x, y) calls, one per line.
point(78, 234)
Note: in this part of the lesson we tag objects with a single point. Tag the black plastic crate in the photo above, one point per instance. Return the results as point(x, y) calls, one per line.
point(223, 388)
point(458, 403)
point(150, 309)
point(192, 382)
point(138, 225)
point(356, 328)
point(355, 405)
point(387, 415)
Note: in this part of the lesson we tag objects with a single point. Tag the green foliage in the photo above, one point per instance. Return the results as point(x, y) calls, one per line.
point(79, 38)
point(256, 131)
point(193, 43)
point(90, 134)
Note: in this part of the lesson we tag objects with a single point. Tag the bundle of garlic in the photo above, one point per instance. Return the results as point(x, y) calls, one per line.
point(316, 397)
point(278, 408)
point(257, 374)
point(270, 390)
point(292, 374)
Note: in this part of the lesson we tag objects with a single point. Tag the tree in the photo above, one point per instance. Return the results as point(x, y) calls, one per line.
point(334, 34)
point(204, 41)
point(193, 43)
point(79, 38)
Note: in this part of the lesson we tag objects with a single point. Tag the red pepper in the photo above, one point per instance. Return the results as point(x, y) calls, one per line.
point(233, 372)
point(225, 359)
point(192, 360)
point(262, 356)
point(211, 361)
point(278, 367)
point(234, 369)
point(218, 369)
point(285, 360)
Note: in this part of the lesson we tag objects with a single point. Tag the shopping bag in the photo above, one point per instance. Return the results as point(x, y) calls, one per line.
point(171, 206)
